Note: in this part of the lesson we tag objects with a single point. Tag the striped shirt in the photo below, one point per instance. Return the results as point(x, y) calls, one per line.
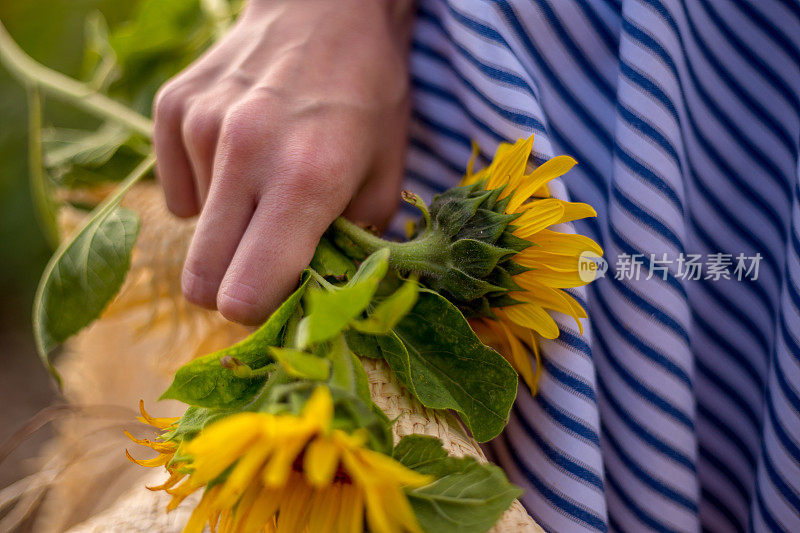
point(678, 409)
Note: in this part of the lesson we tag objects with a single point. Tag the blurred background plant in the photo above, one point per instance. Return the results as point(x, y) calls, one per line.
point(51, 31)
point(124, 49)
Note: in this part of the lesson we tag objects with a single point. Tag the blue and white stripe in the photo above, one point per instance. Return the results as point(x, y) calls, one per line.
point(678, 409)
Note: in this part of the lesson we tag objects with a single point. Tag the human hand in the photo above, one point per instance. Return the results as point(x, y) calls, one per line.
point(298, 114)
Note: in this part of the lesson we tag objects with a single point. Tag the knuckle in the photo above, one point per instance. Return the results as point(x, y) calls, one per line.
point(240, 133)
point(201, 125)
point(168, 102)
point(311, 185)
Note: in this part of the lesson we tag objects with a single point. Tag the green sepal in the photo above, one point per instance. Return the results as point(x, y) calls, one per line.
point(450, 210)
point(501, 278)
point(485, 225)
point(194, 419)
point(479, 307)
point(512, 242)
point(492, 199)
point(462, 286)
point(477, 258)
point(502, 203)
point(513, 268)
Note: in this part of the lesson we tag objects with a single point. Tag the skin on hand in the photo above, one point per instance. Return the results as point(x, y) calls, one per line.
point(298, 114)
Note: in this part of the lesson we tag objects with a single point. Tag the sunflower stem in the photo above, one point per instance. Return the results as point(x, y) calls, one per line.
point(425, 255)
point(417, 201)
point(30, 72)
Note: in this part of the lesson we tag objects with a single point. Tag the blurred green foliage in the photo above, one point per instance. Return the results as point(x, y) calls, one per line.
point(124, 49)
point(52, 32)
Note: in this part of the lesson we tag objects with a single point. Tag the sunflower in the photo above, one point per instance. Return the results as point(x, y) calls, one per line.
point(265, 472)
point(549, 264)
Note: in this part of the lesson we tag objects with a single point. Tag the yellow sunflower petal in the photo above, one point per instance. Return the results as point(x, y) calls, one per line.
point(388, 468)
point(161, 460)
point(536, 258)
point(320, 462)
point(469, 176)
point(200, 515)
point(234, 435)
point(161, 447)
point(319, 408)
point(564, 243)
point(550, 298)
point(498, 338)
point(174, 478)
point(537, 355)
point(325, 505)
point(224, 520)
point(509, 163)
point(246, 470)
point(547, 171)
point(244, 507)
point(280, 464)
point(577, 211)
point(394, 499)
point(351, 510)
point(160, 423)
point(378, 516)
point(520, 357)
point(541, 214)
point(295, 505)
point(559, 279)
point(534, 317)
point(264, 507)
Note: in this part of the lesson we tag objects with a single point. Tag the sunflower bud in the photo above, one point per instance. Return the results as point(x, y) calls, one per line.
point(487, 247)
point(476, 263)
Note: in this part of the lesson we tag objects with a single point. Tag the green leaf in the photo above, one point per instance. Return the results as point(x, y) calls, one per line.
point(83, 277)
point(443, 363)
point(86, 148)
point(331, 310)
point(420, 453)
point(301, 364)
point(363, 345)
point(372, 269)
point(87, 270)
point(329, 261)
point(467, 496)
point(158, 41)
point(99, 61)
point(348, 372)
point(390, 310)
point(204, 382)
